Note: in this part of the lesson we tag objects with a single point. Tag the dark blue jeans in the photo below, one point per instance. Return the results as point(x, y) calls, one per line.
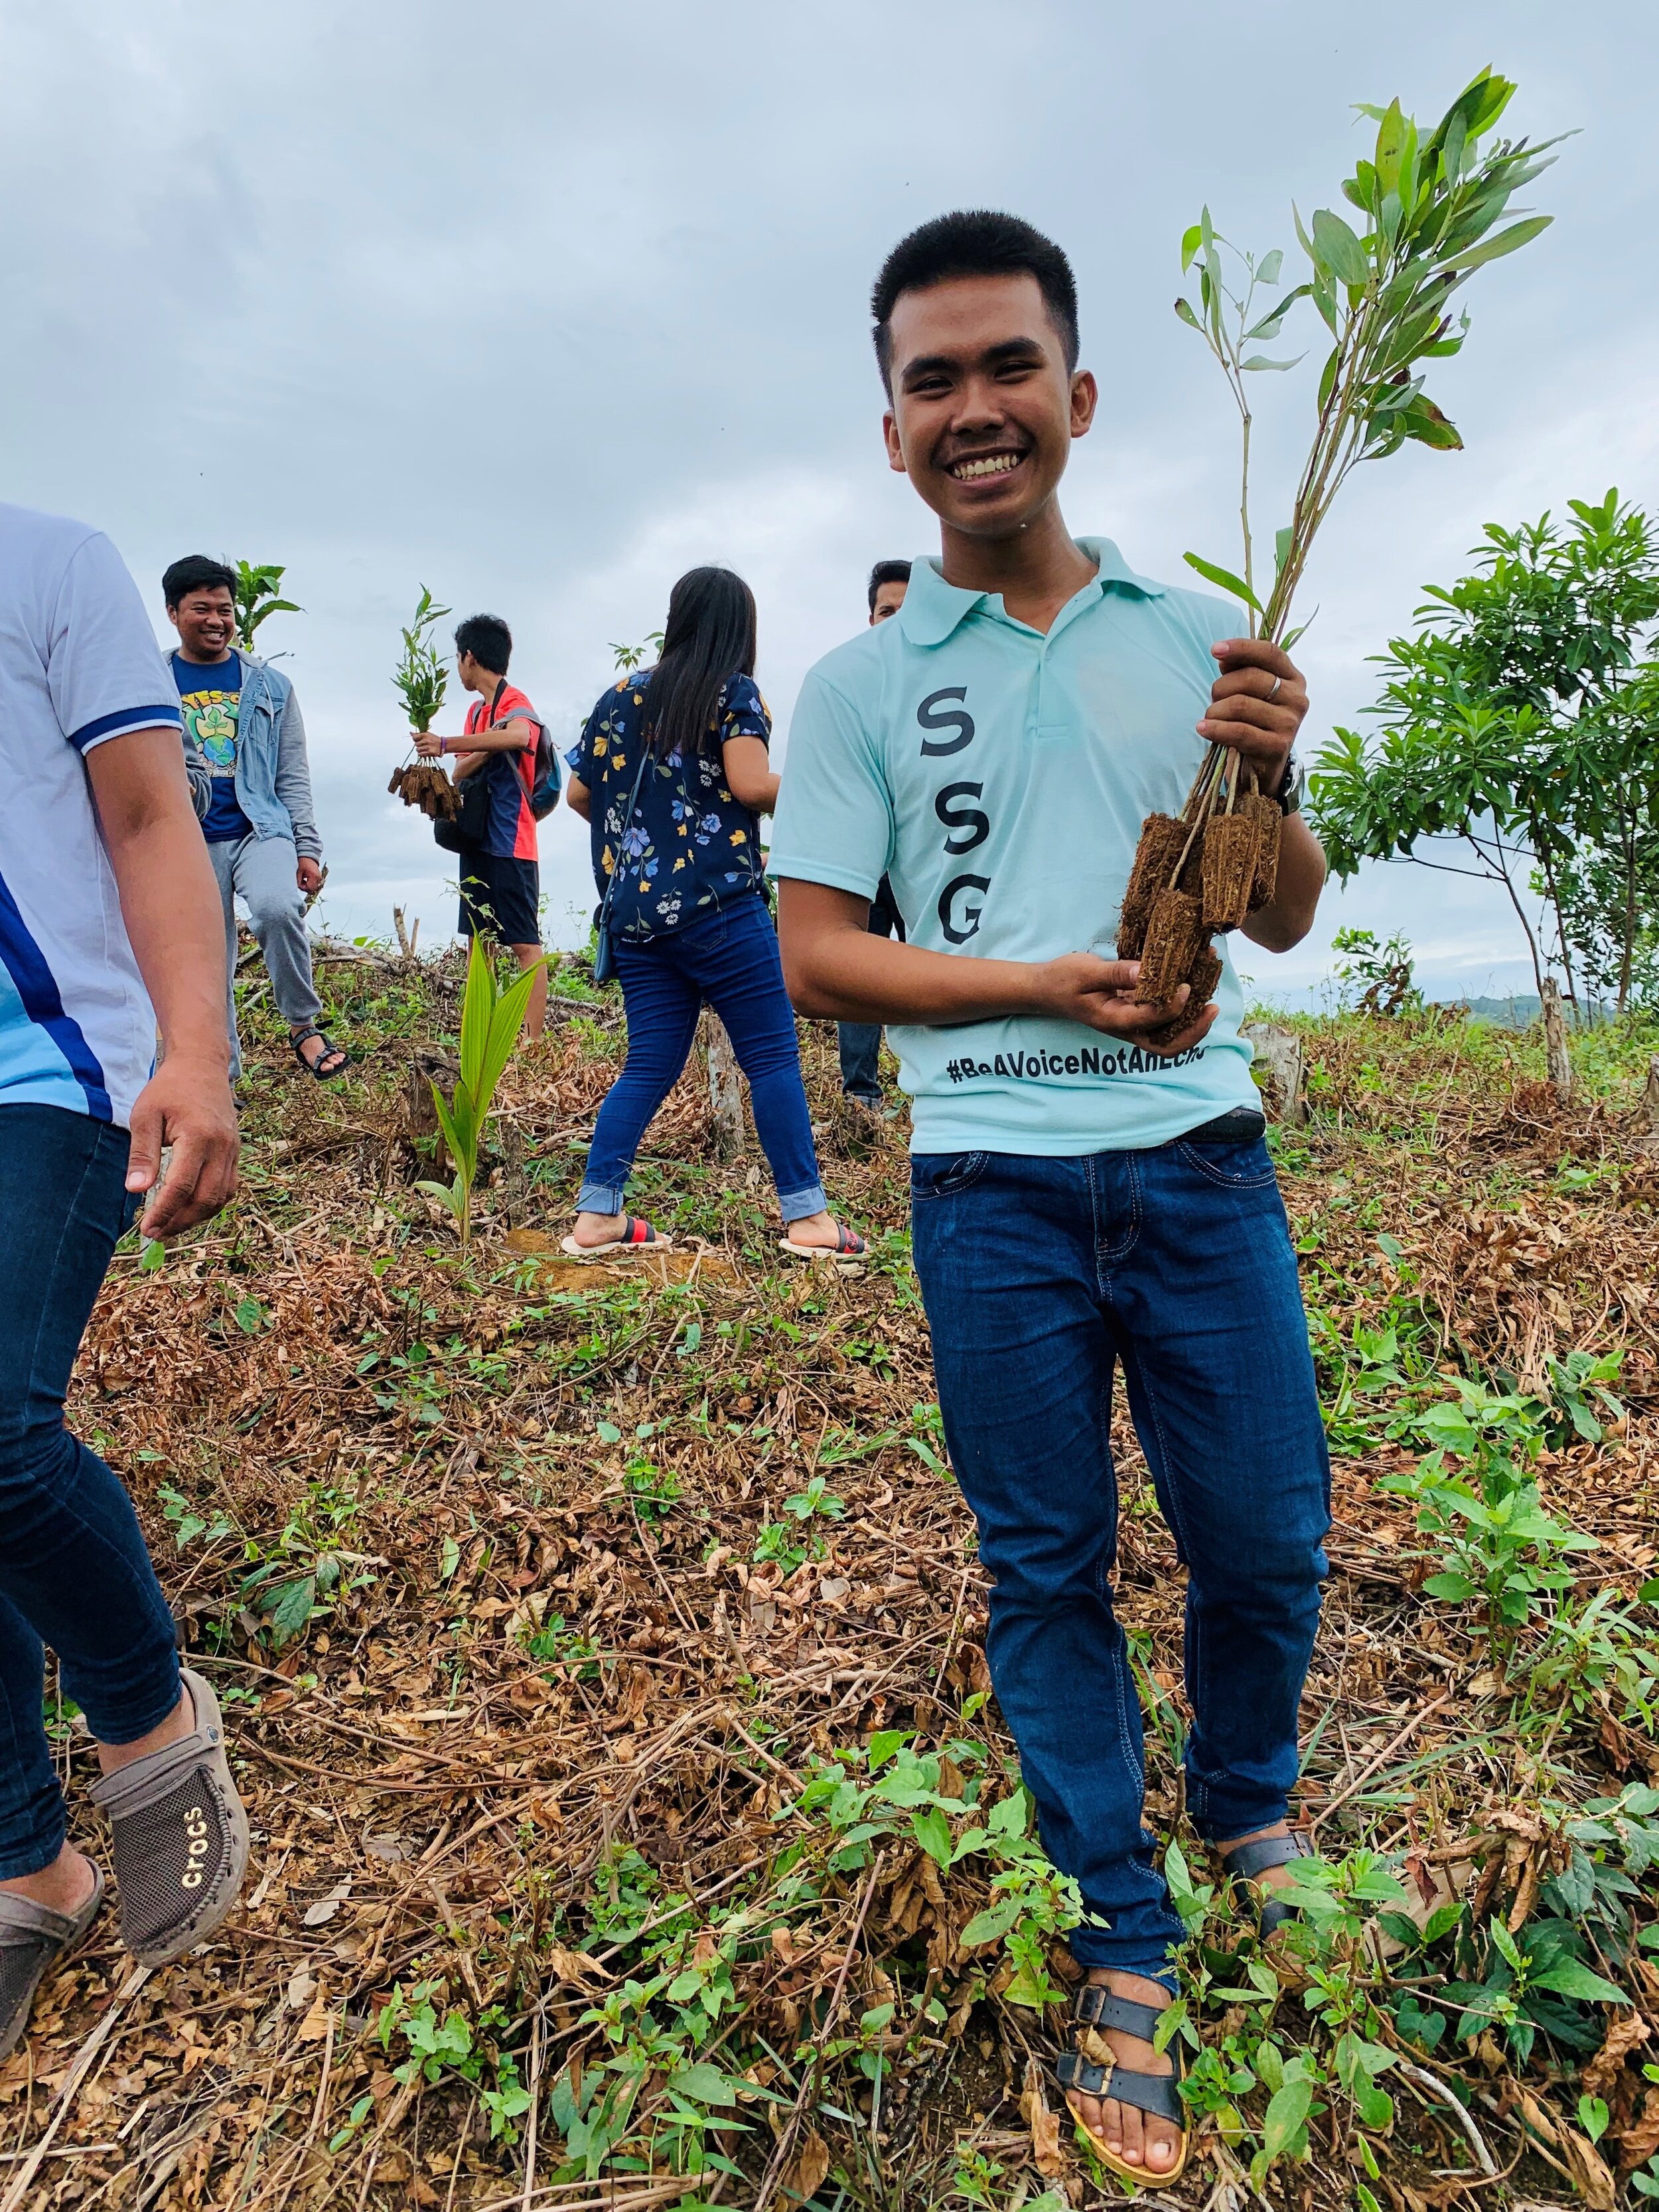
point(731, 960)
point(74, 1572)
point(860, 1059)
point(1040, 1276)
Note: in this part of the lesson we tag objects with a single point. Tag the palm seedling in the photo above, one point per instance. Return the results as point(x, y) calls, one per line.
point(421, 680)
point(1429, 211)
point(490, 1021)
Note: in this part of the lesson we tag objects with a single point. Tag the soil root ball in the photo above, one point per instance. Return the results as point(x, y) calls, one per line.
point(422, 785)
point(1206, 974)
point(1269, 821)
point(1232, 846)
point(1156, 856)
point(1174, 936)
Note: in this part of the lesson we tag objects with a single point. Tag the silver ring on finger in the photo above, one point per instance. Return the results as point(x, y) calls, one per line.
point(1273, 694)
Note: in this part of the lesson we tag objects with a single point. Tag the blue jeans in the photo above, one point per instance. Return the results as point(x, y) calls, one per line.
point(1039, 1276)
point(74, 1572)
point(860, 1059)
point(731, 959)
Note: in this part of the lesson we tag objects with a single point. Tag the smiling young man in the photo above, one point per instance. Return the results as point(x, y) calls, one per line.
point(1081, 1199)
point(244, 749)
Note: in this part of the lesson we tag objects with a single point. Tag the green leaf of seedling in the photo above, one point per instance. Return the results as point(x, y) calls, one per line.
point(1570, 1978)
point(1267, 269)
point(1225, 578)
point(290, 1608)
point(933, 1831)
point(1184, 309)
point(477, 1005)
point(1593, 2117)
point(249, 1315)
point(703, 2085)
point(1260, 361)
point(451, 1196)
point(991, 1925)
point(1287, 2115)
point(1191, 239)
point(1456, 1589)
point(885, 1744)
point(153, 1256)
point(1337, 249)
point(1518, 233)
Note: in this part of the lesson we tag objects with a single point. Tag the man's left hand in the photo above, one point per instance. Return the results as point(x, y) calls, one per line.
point(309, 877)
point(1256, 705)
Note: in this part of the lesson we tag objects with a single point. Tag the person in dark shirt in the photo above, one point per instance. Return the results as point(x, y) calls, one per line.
point(500, 878)
point(244, 750)
point(672, 773)
point(860, 1042)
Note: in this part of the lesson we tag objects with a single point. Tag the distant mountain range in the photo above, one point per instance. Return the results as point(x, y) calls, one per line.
point(1519, 1012)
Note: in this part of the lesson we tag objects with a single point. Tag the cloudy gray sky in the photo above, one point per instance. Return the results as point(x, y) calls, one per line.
point(540, 304)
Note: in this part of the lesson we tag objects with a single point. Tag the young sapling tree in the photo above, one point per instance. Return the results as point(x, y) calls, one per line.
point(1430, 212)
point(420, 679)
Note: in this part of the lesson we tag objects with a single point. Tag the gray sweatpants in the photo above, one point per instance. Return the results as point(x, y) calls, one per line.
point(262, 872)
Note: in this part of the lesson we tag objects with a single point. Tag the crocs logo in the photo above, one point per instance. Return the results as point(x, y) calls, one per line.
point(195, 1828)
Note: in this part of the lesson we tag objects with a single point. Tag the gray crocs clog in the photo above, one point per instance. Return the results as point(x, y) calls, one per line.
point(179, 1839)
point(32, 1938)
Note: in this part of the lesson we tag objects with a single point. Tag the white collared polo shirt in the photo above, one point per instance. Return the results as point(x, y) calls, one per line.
point(1000, 777)
point(79, 665)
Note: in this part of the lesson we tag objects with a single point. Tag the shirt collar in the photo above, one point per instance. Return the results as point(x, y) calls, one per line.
point(933, 610)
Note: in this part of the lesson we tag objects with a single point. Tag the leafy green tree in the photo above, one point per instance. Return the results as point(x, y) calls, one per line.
point(1514, 724)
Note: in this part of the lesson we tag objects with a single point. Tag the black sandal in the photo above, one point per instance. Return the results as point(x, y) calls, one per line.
point(315, 1066)
point(1158, 2094)
point(1245, 1861)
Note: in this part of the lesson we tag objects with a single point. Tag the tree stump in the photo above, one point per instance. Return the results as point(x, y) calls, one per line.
point(1557, 1057)
point(1279, 1055)
point(725, 1091)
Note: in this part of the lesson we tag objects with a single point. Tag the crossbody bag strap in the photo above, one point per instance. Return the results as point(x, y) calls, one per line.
point(628, 819)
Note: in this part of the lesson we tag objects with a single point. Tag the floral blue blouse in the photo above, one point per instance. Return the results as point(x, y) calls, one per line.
point(690, 846)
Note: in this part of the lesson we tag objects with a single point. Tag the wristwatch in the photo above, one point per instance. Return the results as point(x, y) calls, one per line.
point(1288, 797)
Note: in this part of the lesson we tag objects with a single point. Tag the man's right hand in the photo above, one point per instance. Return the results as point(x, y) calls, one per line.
point(1079, 987)
point(427, 744)
point(188, 1104)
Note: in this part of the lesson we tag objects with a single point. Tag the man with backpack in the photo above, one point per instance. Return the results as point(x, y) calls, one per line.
point(508, 775)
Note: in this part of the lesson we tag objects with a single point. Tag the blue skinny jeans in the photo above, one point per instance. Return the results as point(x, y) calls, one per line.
point(731, 959)
point(74, 1571)
point(1040, 1278)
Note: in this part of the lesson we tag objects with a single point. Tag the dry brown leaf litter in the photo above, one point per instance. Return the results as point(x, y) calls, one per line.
point(430, 1800)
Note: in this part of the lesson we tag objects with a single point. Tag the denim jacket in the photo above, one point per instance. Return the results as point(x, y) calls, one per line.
point(273, 776)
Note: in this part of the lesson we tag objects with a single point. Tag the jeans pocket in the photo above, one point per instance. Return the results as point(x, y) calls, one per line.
point(942, 1175)
point(1231, 1167)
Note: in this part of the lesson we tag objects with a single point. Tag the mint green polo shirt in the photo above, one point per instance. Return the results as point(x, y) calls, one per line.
point(998, 778)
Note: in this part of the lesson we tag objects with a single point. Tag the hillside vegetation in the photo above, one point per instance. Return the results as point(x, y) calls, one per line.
point(602, 1648)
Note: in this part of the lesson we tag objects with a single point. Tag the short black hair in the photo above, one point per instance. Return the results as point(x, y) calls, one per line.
point(974, 242)
point(488, 640)
point(887, 572)
point(196, 573)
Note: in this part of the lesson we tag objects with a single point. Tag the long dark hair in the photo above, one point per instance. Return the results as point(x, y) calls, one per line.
point(708, 638)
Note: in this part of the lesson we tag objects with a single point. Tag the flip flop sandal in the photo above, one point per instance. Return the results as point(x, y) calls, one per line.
point(850, 1245)
point(1159, 2095)
point(178, 1837)
point(1245, 1861)
point(315, 1067)
point(635, 1233)
point(32, 1938)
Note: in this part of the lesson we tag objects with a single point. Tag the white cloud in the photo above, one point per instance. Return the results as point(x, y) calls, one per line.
point(539, 304)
